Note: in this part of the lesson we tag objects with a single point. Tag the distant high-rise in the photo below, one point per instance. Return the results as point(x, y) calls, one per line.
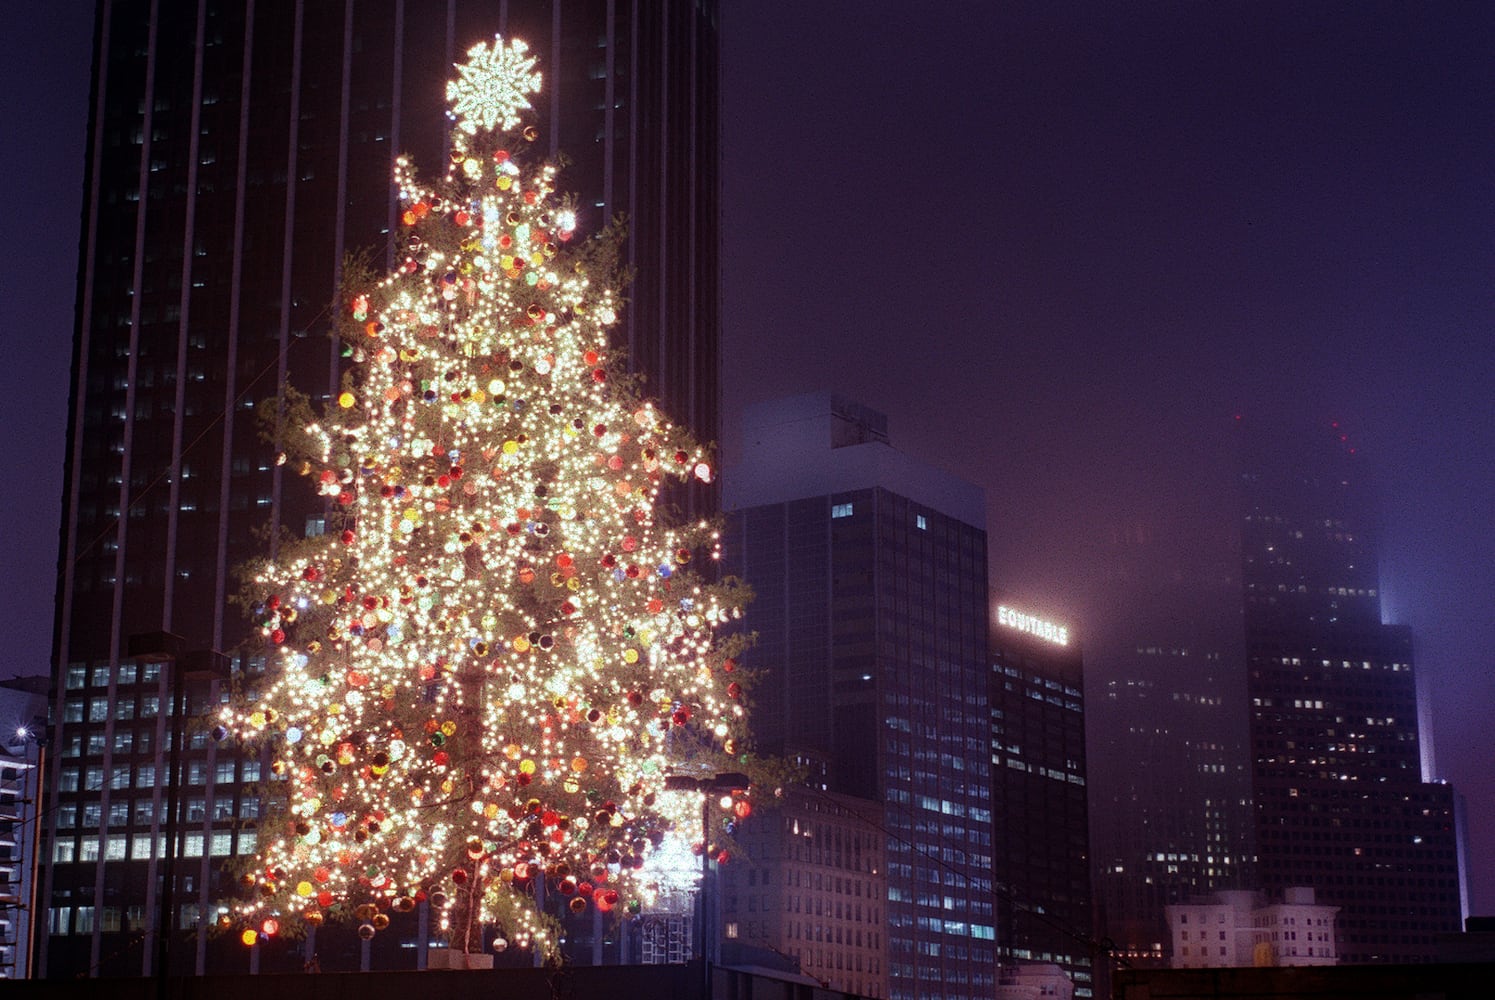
point(1170, 788)
point(1040, 815)
point(239, 152)
point(869, 574)
point(1337, 783)
point(1255, 724)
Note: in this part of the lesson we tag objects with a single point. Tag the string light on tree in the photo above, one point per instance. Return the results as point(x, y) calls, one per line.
point(485, 668)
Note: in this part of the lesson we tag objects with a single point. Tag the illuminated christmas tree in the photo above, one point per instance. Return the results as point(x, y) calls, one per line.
point(483, 672)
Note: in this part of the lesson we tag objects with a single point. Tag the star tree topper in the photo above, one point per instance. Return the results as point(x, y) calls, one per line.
point(493, 86)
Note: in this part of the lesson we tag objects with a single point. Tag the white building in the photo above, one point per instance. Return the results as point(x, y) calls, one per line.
point(1034, 981)
point(1241, 928)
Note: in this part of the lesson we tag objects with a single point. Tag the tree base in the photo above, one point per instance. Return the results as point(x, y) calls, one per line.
point(451, 958)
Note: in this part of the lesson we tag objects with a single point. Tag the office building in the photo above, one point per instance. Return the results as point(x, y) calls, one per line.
point(238, 153)
point(811, 884)
point(1041, 828)
point(1340, 799)
point(869, 573)
point(1169, 773)
point(1238, 927)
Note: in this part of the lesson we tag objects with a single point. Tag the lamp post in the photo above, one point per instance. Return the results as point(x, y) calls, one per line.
point(707, 785)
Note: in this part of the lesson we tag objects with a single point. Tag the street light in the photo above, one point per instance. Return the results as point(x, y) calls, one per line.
point(724, 782)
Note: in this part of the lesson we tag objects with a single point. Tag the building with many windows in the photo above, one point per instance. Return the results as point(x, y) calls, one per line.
point(869, 575)
point(811, 885)
point(1169, 777)
point(238, 152)
point(1341, 803)
point(1256, 723)
point(1041, 828)
point(1242, 928)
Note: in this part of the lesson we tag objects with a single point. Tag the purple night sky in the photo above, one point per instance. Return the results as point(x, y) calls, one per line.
point(1060, 245)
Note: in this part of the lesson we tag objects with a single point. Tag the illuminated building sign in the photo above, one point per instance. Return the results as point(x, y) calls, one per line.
point(1046, 630)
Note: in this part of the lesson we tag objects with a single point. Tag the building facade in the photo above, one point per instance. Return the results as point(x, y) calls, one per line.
point(239, 152)
point(869, 575)
point(811, 885)
point(1337, 768)
point(1238, 928)
point(23, 721)
point(1169, 773)
point(1041, 828)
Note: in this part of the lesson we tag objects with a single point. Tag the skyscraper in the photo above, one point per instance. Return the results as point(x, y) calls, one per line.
point(1170, 784)
point(869, 573)
point(238, 154)
point(1256, 724)
point(1337, 782)
point(1041, 823)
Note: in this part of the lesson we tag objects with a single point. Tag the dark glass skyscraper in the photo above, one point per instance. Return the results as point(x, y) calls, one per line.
point(1170, 783)
point(1337, 780)
point(239, 151)
point(1041, 823)
point(869, 573)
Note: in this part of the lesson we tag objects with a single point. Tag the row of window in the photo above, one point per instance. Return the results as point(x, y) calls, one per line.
point(89, 779)
point(138, 846)
point(144, 812)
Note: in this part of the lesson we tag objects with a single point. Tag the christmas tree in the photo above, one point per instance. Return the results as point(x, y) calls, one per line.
point(483, 672)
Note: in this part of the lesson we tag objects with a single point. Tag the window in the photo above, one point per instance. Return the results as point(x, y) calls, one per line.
point(841, 510)
point(77, 677)
point(98, 709)
point(68, 780)
point(921, 522)
point(100, 677)
point(83, 924)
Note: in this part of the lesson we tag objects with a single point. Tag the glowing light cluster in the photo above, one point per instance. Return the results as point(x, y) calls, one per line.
point(486, 667)
point(492, 87)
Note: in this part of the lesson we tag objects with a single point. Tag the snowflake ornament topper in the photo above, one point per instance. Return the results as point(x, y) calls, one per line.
point(492, 86)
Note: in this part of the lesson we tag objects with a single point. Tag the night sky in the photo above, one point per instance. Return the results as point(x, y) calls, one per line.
point(1061, 245)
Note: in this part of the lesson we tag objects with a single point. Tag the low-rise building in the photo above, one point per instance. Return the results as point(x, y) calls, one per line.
point(809, 883)
point(1238, 928)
